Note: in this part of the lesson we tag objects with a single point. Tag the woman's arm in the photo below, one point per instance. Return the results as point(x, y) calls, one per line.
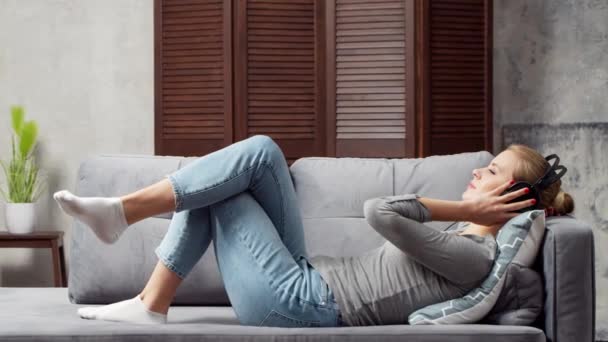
point(399, 220)
point(445, 210)
point(406, 205)
point(436, 209)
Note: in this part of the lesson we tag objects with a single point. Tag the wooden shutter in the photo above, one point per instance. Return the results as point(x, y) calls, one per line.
point(370, 78)
point(193, 85)
point(277, 75)
point(360, 78)
point(458, 71)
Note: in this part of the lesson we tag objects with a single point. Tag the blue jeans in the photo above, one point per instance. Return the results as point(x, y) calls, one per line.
point(242, 198)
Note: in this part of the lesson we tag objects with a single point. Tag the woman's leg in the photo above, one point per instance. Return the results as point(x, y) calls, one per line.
point(109, 217)
point(257, 231)
point(255, 164)
point(266, 285)
point(160, 289)
point(155, 199)
point(186, 240)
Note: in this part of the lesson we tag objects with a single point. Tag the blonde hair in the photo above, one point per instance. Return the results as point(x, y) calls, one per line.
point(530, 167)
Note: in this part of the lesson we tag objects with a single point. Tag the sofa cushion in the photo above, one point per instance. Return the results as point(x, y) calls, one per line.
point(337, 187)
point(441, 176)
point(518, 241)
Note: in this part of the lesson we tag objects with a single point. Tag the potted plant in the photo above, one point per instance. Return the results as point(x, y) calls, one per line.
point(22, 175)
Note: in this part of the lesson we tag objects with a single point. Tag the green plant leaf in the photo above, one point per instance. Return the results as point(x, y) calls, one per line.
point(17, 115)
point(6, 173)
point(32, 177)
point(4, 168)
point(29, 131)
point(41, 188)
point(23, 184)
point(13, 146)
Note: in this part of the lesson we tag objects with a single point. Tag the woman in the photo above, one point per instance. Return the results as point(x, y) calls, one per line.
point(242, 198)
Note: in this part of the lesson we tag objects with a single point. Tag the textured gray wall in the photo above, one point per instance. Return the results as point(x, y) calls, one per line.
point(550, 62)
point(83, 69)
point(551, 67)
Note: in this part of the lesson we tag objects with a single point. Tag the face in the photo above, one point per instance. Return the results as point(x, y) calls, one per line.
point(498, 172)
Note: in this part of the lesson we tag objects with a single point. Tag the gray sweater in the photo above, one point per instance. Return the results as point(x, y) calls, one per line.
point(416, 266)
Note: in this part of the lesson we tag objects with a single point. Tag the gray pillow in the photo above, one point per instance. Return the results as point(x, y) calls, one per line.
point(521, 300)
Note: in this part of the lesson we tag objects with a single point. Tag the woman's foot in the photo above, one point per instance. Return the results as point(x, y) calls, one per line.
point(104, 215)
point(132, 310)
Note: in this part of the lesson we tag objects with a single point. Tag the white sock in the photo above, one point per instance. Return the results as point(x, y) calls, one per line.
point(105, 215)
point(131, 311)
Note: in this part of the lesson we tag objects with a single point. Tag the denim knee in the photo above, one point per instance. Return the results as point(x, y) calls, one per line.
point(265, 143)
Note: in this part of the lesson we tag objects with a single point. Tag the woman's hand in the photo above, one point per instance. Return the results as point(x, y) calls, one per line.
point(490, 208)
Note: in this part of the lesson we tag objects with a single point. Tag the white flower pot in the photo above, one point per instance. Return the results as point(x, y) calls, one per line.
point(20, 218)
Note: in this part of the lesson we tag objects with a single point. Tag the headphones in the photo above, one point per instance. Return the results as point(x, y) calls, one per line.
point(542, 183)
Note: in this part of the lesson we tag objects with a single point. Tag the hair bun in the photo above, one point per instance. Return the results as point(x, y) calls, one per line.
point(563, 203)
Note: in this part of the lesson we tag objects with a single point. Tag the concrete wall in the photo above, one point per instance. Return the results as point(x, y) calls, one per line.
point(83, 69)
point(550, 62)
point(551, 67)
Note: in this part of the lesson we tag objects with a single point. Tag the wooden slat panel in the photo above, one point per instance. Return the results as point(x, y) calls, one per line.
point(345, 2)
point(166, 3)
point(193, 16)
point(370, 50)
point(209, 24)
point(167, 8)
point(369, 25)
point(278, 94)
point(458, 76)
point(370, 77)
point(193, 72)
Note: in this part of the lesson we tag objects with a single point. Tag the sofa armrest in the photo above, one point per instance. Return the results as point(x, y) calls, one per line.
point(568, 267)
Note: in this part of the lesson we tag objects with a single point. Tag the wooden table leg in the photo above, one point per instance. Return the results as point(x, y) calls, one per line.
point(56, 263)
point(64, 270)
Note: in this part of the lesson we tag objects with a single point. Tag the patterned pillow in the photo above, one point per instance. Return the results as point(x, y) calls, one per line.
point(518, 242)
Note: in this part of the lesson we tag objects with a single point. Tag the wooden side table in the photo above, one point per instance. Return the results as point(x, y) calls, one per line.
point(41, 239)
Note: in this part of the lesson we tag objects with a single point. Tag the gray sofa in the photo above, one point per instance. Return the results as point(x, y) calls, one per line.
point(331, 192)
